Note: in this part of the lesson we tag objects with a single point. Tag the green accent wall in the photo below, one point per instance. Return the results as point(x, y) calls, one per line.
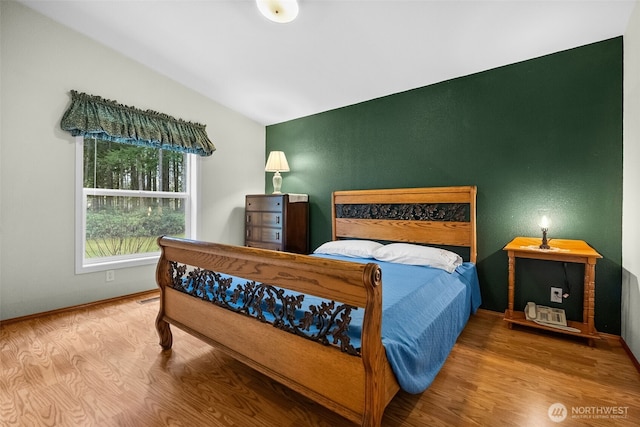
point(540, 134)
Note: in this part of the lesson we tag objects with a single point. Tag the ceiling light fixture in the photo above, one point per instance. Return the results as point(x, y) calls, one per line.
point(281, 11)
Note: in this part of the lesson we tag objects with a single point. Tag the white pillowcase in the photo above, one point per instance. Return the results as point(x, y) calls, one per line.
point(406, 253)
point(349, 248)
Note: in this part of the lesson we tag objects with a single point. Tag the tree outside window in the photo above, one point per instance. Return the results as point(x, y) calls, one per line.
point(130, 196)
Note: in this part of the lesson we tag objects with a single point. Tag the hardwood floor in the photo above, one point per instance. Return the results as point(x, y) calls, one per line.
point(102, 366)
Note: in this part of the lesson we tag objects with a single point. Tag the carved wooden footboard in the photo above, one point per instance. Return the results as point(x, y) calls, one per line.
point(357, 386)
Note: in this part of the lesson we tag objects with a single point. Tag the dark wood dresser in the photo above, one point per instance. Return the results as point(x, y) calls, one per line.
point(279, 222)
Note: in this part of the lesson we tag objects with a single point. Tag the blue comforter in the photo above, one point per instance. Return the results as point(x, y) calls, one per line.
point(424, 311)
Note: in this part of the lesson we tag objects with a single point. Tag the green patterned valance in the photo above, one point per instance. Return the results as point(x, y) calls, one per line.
point(91, 116)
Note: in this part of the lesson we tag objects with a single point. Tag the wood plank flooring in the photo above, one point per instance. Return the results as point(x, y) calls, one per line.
point(102, 366)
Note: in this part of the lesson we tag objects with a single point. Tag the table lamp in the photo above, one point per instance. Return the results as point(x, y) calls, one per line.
point(544, 226)
point(277, 162)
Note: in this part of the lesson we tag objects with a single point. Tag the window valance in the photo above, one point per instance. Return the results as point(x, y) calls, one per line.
point(92, 116)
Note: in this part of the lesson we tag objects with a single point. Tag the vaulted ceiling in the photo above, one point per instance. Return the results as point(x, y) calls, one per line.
point(337, 52)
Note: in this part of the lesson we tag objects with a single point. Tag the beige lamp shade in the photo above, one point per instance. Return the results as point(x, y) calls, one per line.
point(277, 162)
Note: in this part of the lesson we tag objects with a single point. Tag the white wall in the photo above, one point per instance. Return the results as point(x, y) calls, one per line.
point(631, 187)
point(41, 62)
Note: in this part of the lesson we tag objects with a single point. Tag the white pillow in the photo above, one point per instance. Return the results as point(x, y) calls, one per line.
point(406, 253)
point(350, 248)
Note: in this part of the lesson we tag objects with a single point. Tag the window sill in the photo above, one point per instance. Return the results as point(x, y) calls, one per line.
point(114, 264)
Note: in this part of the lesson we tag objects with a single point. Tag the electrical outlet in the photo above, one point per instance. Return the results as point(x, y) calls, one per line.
point(110, 276)
point(556, 294)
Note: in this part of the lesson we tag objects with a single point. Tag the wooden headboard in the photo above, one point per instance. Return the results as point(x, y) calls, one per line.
point(441, 216)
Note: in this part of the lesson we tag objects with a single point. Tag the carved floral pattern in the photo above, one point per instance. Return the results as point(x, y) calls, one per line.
point(411, 211)
point(269, 304)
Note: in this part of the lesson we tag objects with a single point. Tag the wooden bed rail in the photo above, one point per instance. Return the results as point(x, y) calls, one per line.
point(357, 387)
point(344, 281)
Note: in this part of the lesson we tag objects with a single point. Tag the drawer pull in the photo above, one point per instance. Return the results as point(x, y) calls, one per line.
point(277, 235)
point(248, 219)
point(277, 219)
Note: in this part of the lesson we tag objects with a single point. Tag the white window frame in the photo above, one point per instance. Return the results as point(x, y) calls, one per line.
point(82, 265)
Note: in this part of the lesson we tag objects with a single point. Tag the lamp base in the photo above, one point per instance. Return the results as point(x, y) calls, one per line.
point(277, 183)
point(545, 243)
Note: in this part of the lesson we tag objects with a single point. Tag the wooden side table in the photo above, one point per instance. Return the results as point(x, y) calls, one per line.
point(576, 251)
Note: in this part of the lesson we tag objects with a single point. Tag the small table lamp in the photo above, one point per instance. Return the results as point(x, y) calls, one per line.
point(277, 162)
point(544, 226)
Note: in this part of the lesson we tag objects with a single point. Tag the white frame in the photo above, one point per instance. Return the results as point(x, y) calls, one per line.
point(124, 261)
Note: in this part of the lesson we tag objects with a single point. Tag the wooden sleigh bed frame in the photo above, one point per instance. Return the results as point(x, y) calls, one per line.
point(358, 387)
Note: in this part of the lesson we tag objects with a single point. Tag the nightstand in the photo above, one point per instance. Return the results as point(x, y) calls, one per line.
point(279, 222)
point(576, 251)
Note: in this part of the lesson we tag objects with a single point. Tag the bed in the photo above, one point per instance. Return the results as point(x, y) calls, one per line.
point(292, 317)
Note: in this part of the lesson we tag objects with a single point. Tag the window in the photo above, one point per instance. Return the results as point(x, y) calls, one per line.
point(126, 197)
point(131, 184)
